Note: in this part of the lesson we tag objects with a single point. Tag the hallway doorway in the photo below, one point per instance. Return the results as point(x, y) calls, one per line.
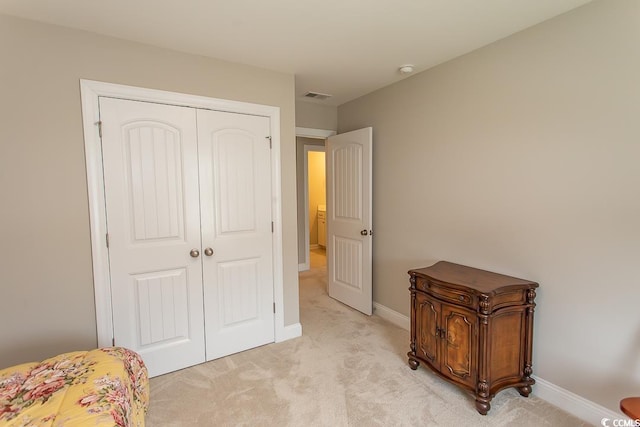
point(344, 225)
point(311, 183)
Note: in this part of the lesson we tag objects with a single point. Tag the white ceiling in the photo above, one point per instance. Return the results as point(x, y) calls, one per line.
point(346, 48)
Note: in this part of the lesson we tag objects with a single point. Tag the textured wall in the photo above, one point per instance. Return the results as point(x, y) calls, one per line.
point(46, 303)
point(523, 158)
point(316, 116)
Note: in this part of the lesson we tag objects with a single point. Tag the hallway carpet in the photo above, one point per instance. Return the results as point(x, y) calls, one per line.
point(347, 369)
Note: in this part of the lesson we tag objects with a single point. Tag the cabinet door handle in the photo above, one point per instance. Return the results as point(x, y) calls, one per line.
point(442, 334)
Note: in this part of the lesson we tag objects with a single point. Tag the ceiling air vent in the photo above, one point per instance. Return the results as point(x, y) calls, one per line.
point(317, 95)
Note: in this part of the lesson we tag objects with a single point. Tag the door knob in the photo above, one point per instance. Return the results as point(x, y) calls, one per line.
point(194, 253)
point(208, 251)
point(364, 232)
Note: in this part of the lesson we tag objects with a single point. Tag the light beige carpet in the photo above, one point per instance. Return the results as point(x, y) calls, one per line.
point(347, 369)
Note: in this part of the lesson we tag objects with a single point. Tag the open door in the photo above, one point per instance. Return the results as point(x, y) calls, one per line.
point(349, 224)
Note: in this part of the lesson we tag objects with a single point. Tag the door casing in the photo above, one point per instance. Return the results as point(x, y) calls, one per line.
point(90, 92)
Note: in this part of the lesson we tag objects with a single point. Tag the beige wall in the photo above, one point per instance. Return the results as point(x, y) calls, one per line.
point(317, 191)
point(46, 303)
point(316, 116)
point(524, 158)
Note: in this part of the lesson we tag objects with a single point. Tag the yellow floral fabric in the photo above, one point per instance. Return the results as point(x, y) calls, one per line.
point(103, 387)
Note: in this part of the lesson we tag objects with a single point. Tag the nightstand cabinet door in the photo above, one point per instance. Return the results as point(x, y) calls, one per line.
point(459, 344)
point(427, 331)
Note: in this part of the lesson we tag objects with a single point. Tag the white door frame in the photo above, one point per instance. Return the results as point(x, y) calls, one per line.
point(90, 92)
point(314, 134)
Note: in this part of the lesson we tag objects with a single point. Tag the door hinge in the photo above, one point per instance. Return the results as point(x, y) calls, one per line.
point(113, 342)
point(107, 239)
point(274, 307)
point(270, 142)
point(272, 227)
point(99, 123)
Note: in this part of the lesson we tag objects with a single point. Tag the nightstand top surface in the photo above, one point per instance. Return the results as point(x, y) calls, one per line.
point(473, 278)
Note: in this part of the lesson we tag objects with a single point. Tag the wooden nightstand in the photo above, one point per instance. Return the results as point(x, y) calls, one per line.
point(473, 328)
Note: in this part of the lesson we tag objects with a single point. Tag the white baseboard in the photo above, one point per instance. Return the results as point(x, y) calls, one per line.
point(303, 267)
point(392, 316)
point(290, 332)
point(574, 404)
point(314, 246)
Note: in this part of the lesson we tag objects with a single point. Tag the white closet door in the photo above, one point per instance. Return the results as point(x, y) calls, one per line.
point(152, 199)
point(235, 188)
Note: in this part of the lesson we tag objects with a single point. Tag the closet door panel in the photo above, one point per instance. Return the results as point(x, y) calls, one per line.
point(153, 219)
point(236, 208)
point(235, 200)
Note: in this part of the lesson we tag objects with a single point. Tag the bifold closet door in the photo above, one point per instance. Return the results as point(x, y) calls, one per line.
point(150, 157)
point(237, 235)
point(188, 197)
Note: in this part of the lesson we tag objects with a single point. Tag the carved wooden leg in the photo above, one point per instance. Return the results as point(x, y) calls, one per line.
point(482, 397)
point(524, 390)
point(413, 364)
point(482, 406)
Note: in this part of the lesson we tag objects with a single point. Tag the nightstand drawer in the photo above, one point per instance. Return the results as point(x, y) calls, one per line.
point(447, 294)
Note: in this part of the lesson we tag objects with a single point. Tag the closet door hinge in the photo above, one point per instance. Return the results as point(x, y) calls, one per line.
point(99, 123)
point(270, 142)
point(107, 239)
point(113, 342)
point(272, 227)
point(274, 307)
